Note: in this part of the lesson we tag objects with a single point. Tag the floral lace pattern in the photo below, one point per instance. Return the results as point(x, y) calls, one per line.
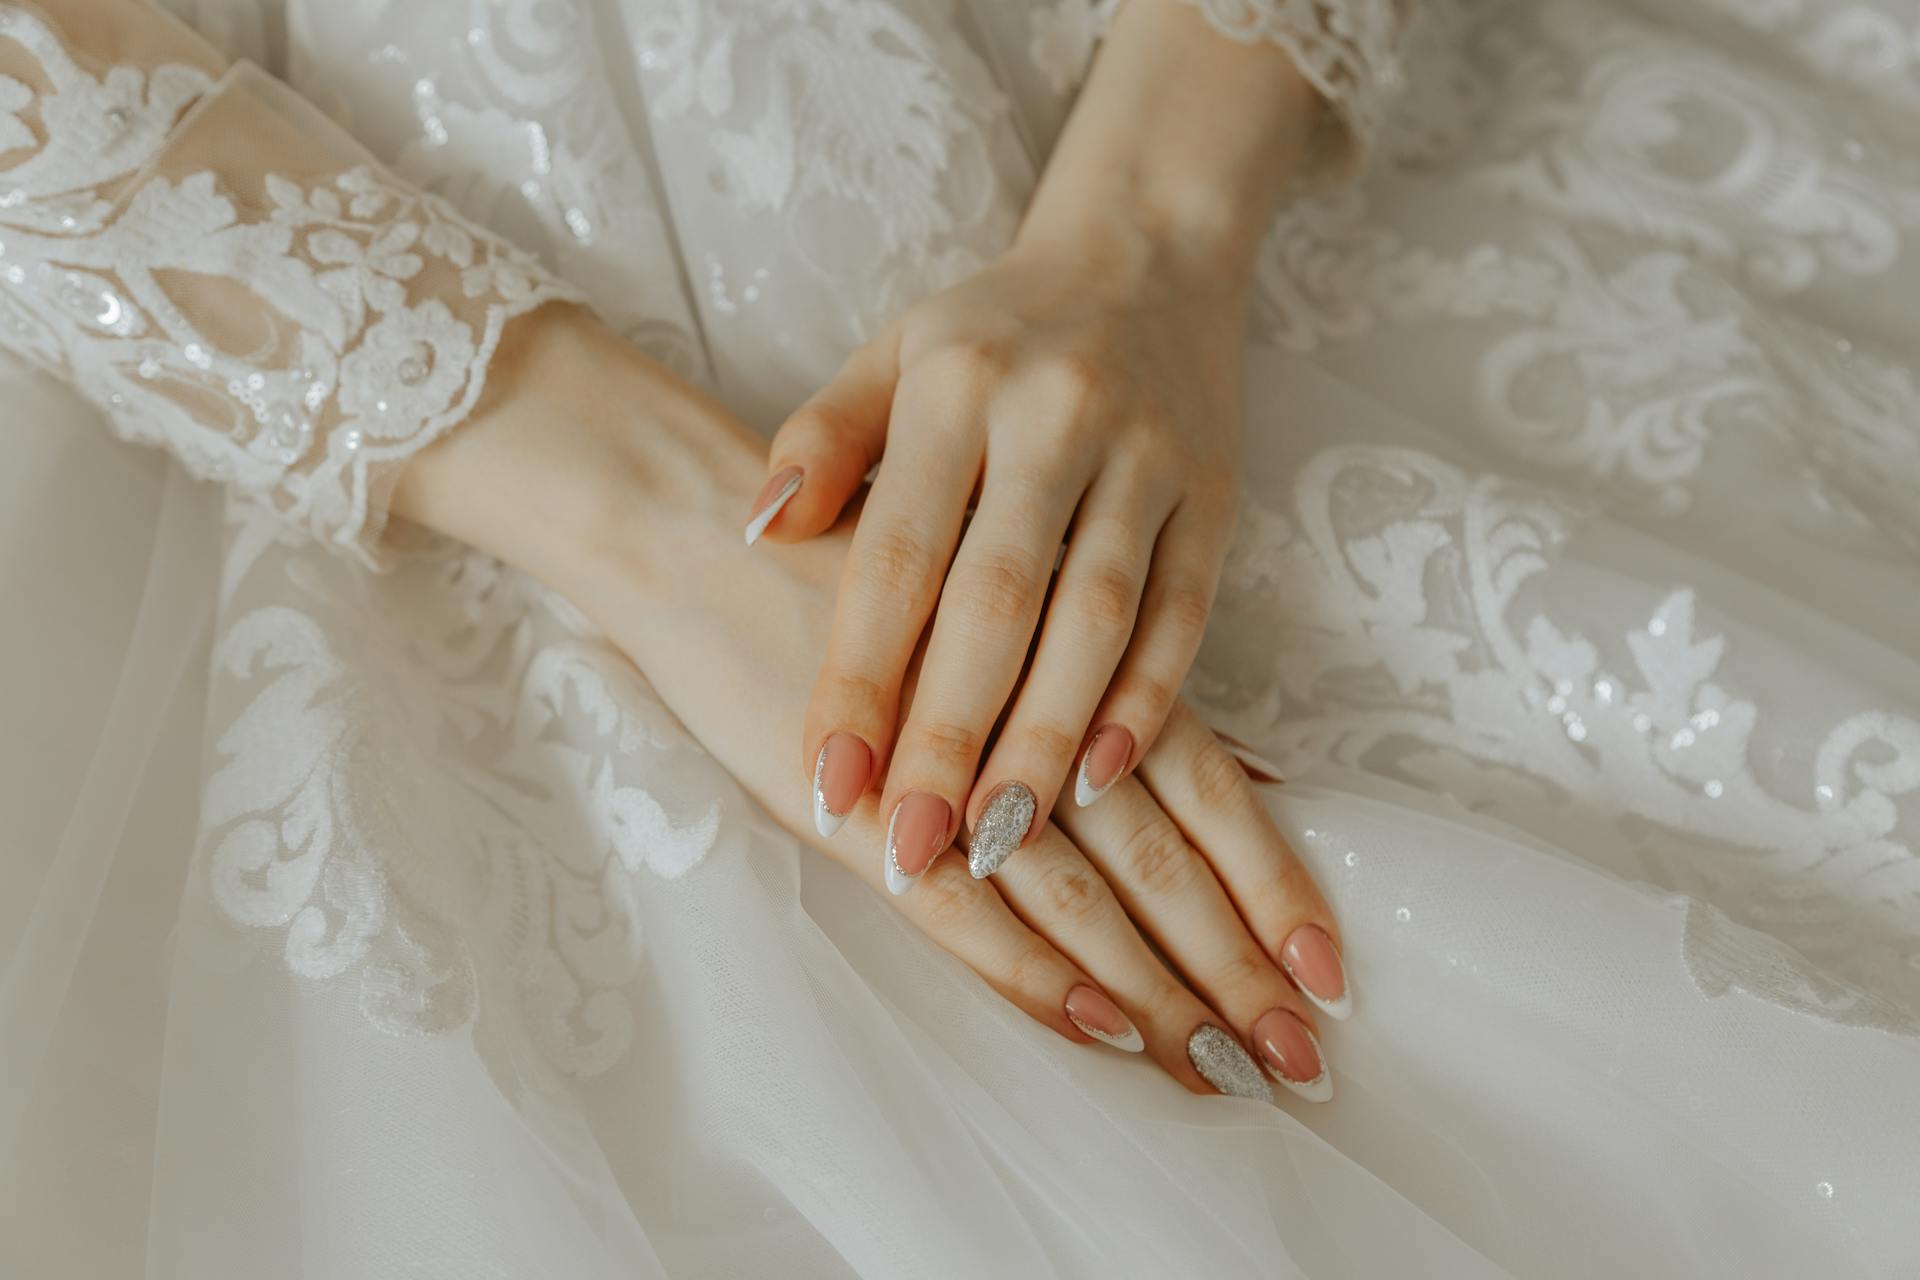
point(529, 837)
point(1409, 645)
point(298, 339)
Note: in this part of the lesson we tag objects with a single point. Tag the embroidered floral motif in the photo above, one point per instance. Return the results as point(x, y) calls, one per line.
point(349, 357)
point(336, 814)
point(1392, 593)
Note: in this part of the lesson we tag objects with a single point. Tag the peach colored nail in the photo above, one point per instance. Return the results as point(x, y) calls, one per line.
point(1311, 961)
point(916, 833)
point(839, 776)
point(1101, 1018)
point(778, 492)
point(1292, 1056)
point(1101, 765)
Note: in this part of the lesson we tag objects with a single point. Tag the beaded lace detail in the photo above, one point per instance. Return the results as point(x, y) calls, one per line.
point(265, 301)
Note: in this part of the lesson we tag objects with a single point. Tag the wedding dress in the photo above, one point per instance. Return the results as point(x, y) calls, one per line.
point(361, 924)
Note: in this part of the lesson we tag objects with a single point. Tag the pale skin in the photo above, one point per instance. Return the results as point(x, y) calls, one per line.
point(605, 475)
point(1083, 389)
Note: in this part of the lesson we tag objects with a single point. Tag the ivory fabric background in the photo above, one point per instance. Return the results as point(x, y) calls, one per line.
point(362, 925)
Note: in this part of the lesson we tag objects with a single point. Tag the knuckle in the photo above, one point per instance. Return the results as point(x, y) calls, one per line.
point(1245, 969)
point(1217, 779)
point(1028, 967)
point(898, 558)
point(951, 896)
point(1157, 857)
point(1048, 742)
point(946, 744)
point(1185, 601)
point(1001, 587)
point(847, 690)
point(1077, 381)
point(1151, 692)
point(968, 362)
point(1106, 597)
point(1073, 894)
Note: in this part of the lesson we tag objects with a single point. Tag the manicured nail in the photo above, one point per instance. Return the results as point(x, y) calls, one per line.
point(1292, 1056)
point(1226, 1066)
point(1003, 825)
point(1311, 961)
point(916, 833)
point(778, 492)
point(839, 776)
point(1101, 1018)
point(1101, 765)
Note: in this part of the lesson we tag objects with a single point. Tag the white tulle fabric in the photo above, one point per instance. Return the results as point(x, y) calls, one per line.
point(1577, 591)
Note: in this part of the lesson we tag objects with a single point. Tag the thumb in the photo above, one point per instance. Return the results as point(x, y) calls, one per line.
point(822, 453)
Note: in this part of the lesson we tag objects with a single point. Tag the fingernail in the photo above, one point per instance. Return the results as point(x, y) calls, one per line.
point(1102, 763)
point(1101, 1018)
point(1003, 825)
point(1292, 1055)
point(916, 833)
point(839, 776)
point(1311, 961)
point(1226, 1066)
point(778, 492)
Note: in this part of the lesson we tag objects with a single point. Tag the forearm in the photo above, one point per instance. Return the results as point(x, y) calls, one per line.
point(1178, 149)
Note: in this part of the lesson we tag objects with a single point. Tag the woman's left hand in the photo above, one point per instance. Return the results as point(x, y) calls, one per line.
point(1085, 387)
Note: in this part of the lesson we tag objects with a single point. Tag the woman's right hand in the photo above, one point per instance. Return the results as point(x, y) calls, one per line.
point(617, 484)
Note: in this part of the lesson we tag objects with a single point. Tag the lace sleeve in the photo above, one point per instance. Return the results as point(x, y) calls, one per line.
point(230, 276)
point(1346, 49)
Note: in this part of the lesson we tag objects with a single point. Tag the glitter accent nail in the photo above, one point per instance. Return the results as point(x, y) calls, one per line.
point(1003, 825)
point(1226, 1065)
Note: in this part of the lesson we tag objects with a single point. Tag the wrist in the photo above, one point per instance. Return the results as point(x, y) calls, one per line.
point(582, 451)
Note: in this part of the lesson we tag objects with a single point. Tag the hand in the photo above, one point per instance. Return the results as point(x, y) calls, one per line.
point(1085, 387)
point(1089, 391)
point(626, 513)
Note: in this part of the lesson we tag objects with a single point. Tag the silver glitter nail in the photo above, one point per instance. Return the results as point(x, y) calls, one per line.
point(825, 820)
point(1226, 1065)
point(1003, 825)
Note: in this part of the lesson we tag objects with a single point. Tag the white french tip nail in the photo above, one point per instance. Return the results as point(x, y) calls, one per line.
point(1339, 1010)
point(758, 525)
point(1084, 792)
point(1129, 1043)
point(898, 881)
point(1318, 1089)
point(825, 820)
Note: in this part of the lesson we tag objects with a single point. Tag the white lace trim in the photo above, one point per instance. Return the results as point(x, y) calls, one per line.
point(297, 338)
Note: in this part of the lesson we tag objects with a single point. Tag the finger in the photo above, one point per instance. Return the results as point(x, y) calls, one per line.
point(972, 921)
point(1205, 789)
point(901, 548)
point(1174, 606)
point(978, 648)
point(822, 453)
point(1059, 893)
point(1166, 885)
point(1089, 619)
